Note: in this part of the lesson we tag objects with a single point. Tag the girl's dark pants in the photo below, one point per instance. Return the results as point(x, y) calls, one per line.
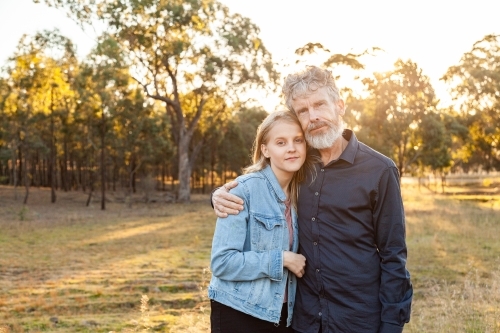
point(225, 319)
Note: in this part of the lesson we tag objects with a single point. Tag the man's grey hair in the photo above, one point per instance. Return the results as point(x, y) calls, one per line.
point(307, 81)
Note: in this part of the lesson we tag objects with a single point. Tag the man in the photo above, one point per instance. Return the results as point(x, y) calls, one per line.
point(351, 222)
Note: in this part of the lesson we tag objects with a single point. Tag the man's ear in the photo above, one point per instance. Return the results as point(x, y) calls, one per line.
point(341, 107)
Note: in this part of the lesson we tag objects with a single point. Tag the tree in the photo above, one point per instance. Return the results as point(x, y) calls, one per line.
point(184, 48)
point(439, 130)
point(351, 60)
point(475, 86)
point(236, 146)
point(111, 83)
point(35, 73)
point(390, 117)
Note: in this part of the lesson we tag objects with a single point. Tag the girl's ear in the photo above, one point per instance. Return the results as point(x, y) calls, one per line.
point(264, 151)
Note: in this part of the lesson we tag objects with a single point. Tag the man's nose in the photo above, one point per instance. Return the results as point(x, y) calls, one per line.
point(313, 114)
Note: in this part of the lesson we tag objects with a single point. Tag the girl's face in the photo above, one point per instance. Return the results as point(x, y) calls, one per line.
point(285, 147)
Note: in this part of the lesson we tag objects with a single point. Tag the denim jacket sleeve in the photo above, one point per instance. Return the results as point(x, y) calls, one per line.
point(396, 290)
point(232, 257)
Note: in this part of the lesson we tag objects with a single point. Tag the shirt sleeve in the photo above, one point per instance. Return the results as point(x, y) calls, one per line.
point(229, 259)
point(396, 291)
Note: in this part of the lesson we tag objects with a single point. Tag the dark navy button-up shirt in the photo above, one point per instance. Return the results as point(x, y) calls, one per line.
point(352, 233)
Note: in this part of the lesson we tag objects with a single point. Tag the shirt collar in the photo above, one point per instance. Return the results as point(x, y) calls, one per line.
point(350, 150)
point(271, 177)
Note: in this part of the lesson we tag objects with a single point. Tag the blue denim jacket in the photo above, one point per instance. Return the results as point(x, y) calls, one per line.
point(247, 251)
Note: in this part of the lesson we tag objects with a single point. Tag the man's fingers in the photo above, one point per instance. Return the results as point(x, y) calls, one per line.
point(231, 185)
point(224, 212)
point(228, 206)
point(219, 213)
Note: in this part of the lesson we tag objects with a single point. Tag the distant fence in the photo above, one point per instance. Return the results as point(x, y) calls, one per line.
point(456, 179)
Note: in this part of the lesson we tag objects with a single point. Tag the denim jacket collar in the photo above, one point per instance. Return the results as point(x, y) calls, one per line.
point(271, 177)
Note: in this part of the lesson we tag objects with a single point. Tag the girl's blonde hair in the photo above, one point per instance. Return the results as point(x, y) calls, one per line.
point(260, 161)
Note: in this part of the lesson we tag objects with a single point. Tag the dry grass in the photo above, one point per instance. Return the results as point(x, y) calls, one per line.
point(89, 268)
point(454, 259)
point(143, 269)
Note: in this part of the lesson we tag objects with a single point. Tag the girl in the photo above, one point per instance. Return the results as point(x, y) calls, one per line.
point(253, 253)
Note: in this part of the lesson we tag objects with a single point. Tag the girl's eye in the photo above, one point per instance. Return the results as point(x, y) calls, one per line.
point(299, 140)
point(280, 143)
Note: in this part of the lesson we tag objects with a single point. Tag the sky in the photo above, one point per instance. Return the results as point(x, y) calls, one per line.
point(432, 33)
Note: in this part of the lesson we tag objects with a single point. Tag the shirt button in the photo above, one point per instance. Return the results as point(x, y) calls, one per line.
point(290, 304)
point(315, 243)
point(320, 314)
point(313, 219)
point(322, 170)
point(316, 193)
point(317, 270)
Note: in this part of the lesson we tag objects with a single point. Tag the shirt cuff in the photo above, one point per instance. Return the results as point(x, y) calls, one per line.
point(390, 328)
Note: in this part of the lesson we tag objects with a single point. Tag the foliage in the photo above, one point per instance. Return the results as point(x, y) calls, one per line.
point(390, 118)
point(184, 48)
point(475, 84)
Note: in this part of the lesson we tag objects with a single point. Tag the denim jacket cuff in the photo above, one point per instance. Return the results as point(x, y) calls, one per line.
point(276, 265)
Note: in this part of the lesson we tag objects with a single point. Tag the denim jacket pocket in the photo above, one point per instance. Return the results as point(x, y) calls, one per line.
point(266, 231)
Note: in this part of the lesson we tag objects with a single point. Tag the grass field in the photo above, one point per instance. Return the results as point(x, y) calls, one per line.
point(65, 267)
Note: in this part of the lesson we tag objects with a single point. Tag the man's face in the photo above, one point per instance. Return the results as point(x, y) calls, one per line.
point(320, 117)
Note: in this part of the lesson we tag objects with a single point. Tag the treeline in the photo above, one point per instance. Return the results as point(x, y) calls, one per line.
point(89, 126)
point(161, 100)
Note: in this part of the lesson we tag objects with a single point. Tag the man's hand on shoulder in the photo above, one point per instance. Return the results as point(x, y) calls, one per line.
point(226, 203)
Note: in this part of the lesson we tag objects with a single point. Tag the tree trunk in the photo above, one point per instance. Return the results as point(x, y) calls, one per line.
point(26, 182)
point(103, 166)
point(91, 185)
point(184, 190)
point(132, 184)
point(14, 172)
point(52, 153)
point(64, 167)
point(163, 167)
point(20, 159)
point(443, 181)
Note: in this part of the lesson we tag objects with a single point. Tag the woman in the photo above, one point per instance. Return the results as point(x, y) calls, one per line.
point(253, 253)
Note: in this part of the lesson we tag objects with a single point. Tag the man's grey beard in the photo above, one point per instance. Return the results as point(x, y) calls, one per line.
point(327, 139)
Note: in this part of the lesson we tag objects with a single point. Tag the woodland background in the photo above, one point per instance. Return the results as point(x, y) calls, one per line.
point(160, 103)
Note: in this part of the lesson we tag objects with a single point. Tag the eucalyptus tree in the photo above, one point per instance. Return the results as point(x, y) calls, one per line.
point(35, 73)
point(475, 86)
point(4, 153)
point(139, 137)
point(243, 129)
point(184, 49)
point(351, 60)
point(390, 118)
point(109, 84)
